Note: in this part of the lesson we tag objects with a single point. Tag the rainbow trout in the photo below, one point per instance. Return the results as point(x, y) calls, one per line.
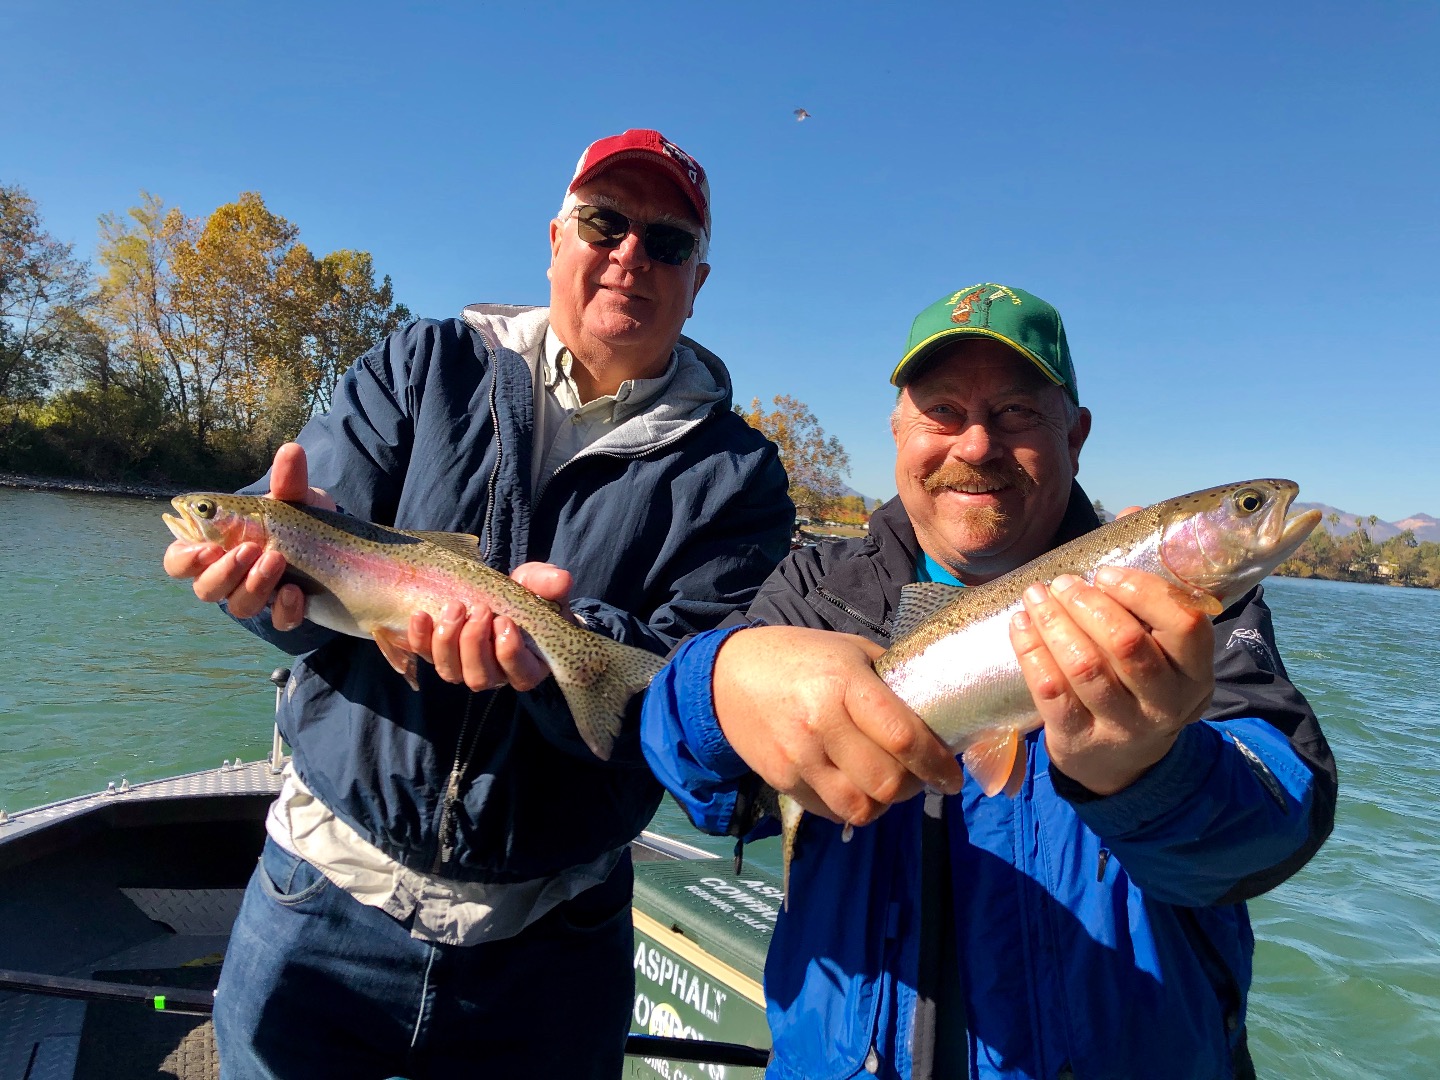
point(366, 580)
point(952, 661)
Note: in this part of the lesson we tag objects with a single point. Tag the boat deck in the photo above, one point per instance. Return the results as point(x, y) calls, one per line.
point(140, 884)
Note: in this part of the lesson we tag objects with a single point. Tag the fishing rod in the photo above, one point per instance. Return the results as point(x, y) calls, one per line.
point(185, 1002)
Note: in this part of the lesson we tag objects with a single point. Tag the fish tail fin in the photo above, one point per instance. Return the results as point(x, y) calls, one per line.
point(598, 702)
point(997, 762)
point(791, 815)
point(396, 649)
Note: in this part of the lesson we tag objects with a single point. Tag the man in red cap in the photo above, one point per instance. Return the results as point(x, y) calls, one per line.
point(446, 880)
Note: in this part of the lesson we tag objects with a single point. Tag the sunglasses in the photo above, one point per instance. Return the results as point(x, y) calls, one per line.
point(602, 228)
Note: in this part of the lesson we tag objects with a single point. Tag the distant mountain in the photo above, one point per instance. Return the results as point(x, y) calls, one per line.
point(1425, 527)
point(848, 490)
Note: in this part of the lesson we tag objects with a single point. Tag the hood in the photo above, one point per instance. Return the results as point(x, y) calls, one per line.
point(700, 386)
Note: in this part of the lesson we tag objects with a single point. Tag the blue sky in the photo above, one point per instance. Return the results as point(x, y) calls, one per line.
point(1236, 207)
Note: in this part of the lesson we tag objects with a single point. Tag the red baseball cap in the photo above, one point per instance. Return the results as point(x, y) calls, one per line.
point(646, 145)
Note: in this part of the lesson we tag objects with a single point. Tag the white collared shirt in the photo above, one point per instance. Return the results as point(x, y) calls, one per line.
point(564, 426)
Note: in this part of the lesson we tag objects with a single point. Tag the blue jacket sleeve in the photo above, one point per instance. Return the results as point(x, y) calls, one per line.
point(1244, 798)
point(682, 740)
point(1229, 802)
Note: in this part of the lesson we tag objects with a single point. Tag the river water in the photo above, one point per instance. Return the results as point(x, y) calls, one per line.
point(109, 669)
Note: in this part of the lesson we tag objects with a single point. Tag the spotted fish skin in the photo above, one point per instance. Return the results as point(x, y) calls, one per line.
point(366, 580)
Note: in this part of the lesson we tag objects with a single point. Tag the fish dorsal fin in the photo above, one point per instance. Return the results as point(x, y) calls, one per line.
point(920, 601)
point(465, 544)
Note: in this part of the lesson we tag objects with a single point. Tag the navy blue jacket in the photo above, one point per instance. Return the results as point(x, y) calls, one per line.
point(431, 430)
point(1093, 937)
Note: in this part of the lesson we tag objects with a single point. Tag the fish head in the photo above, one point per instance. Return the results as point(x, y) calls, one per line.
point(1224, 540)
point(227, 520)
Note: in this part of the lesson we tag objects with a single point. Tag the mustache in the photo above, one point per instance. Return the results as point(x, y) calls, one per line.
point(959, 475)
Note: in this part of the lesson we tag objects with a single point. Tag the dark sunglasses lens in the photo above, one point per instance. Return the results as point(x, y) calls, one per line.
point(668, 244)
point(603, 228)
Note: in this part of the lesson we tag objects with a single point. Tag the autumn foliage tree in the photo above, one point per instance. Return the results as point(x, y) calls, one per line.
point(199, 346)
point(42, 287)
point(816, 463)
point(246, 329)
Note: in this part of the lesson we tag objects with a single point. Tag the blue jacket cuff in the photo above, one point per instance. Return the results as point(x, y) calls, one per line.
point(697, 700)
point(1175, 779)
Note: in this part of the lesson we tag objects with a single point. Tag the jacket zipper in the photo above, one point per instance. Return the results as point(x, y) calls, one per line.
point(870, 624)
point(499, 456)
point(445, 847)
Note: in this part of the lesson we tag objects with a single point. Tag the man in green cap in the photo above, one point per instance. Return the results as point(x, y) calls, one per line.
point(1094, 923)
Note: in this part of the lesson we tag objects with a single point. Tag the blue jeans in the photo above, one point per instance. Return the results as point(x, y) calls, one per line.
point(317, 985)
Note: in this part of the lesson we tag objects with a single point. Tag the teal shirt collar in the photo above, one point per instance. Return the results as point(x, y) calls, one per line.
point(930, 570)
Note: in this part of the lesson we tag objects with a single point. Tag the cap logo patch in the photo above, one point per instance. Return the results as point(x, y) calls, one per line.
point(689, 164)
point(966, 307)
point(967, 302)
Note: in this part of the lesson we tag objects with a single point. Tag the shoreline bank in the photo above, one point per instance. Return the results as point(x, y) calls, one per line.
point(129, 490)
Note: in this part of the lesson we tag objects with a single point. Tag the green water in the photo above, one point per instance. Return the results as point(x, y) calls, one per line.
point(109, 670)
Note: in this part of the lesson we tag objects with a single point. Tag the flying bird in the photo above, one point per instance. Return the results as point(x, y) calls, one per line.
point(800, 114)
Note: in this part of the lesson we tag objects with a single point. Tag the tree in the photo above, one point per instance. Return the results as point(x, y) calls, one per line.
point(40, 281)
point(816, 463)
point(247, 329)
point(352, 314)
point(147, 312)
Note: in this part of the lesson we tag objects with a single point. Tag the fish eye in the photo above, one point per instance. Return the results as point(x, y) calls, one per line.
point(1249, 500)
point(204, 508)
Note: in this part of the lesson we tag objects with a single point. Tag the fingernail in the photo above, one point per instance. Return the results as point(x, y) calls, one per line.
point(1064, 583)
point(1108, 575)
point(246, 555)
point(1021, 620)
point(1036, 593)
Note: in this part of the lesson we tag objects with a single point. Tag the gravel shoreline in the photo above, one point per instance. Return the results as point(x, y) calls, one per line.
point(132, 490)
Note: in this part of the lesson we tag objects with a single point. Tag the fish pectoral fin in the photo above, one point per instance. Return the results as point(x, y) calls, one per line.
point(396, 649)
point(997, 762)
point(1197, 600)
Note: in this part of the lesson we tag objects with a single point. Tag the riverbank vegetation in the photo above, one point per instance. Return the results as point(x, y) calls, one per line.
point(187, 355)
point(1400, 560)
point(196, 346)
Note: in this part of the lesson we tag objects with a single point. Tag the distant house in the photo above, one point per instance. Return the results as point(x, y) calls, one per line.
point(1376, 569)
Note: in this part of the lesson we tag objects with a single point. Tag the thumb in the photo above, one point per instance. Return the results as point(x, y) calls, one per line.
point(545, 580)
point(870, 648)
point(290, 475)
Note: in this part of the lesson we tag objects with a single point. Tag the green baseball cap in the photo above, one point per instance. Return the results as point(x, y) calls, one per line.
point(1026, 323)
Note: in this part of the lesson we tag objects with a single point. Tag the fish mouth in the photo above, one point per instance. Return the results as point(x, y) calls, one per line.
point(1287, 530)
point(184, 527)
point(185, 523)
point(1297, 527)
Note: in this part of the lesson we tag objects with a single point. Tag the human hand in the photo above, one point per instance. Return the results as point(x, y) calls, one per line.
point(1116, 669)
point(484, 650)
point(248, 577)
point(805, 709)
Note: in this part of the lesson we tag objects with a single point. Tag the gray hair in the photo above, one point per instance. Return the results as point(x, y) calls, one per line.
point(702, 249)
